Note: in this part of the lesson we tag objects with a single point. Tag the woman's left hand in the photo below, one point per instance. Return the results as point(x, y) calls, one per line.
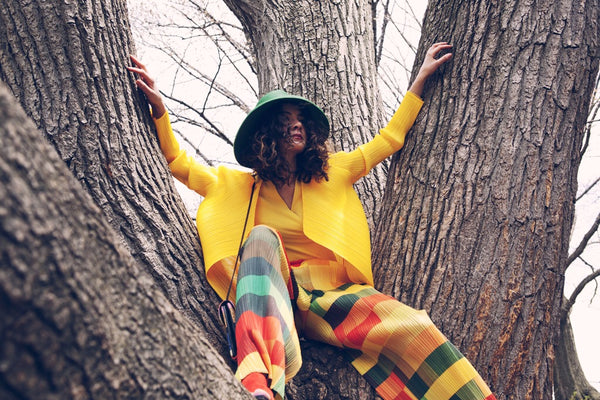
point(430, 65)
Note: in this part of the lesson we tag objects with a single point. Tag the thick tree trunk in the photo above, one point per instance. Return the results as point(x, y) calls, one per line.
point(569, 379)
point(65, 62)
point(479, 204)
point(80, 318)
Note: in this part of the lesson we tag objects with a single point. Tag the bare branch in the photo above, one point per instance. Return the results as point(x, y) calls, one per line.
point(381, 39)
point(586, 191)
point(410, 45)
point(241, 49)
point(582, 245)
point(212, 82)
point(593, 113)
point(213, 128)
point(571, 301)
point(197, 150)
point(208, 80)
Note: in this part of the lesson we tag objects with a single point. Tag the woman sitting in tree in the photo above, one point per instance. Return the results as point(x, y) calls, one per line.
point(305, 266)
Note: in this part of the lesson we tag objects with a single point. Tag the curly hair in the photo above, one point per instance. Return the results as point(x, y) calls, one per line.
point(270, 166)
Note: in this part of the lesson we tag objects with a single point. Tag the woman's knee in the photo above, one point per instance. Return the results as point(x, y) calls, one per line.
point(262, 241)
point(263, 233)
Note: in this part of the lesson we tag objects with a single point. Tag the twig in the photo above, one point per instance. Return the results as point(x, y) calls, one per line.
point(582, 245)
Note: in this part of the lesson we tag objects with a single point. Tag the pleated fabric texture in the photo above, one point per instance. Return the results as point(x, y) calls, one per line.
point(265, 332)
point(396, 348)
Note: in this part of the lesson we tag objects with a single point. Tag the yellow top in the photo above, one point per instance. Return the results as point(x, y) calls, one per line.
point(332, 215)
point(272, 211)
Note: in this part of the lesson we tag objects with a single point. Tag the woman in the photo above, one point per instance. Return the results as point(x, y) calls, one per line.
point(305, 261)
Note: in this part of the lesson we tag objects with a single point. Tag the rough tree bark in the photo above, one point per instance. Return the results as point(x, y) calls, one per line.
point(480, 201)
point(484, 198)
point(65, 63)
point(570, 381)
point(80, 318)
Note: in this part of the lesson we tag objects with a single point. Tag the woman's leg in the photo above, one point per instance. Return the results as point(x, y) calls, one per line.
point(266, 336)
point(395, 347)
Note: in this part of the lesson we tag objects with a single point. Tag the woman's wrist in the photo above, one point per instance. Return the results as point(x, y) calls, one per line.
point(158, 110)
point(418, 85)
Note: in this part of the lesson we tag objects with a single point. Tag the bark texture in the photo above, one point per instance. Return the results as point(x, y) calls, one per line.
point(569, 378)
point(65, 63)
point(80, 318)
point(480, 201)
point(325, 52)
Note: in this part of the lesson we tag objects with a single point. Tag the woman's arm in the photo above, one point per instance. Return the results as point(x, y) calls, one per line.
point(185, 168)
point(391, 138)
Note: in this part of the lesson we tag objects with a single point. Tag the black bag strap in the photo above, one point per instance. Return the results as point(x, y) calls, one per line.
point(239, 253)
point(226, 308)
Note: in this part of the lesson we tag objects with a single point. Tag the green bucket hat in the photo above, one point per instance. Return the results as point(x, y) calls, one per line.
point(264, 109)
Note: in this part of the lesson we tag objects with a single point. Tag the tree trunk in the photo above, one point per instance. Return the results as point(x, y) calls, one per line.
point(479, 204)
point(569, 380)
point(65, 63)
point(80, 318)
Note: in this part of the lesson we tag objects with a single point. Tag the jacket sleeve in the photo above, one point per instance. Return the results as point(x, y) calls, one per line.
point(184, 167)
point(389, 140)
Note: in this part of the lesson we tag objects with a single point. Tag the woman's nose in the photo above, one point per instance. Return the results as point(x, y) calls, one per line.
point(295, 124)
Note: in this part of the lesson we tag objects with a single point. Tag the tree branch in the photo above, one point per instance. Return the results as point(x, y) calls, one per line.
point(586, 238)
point(571, 301)
point(214, 129)
point(586, 191)
point(592, 114)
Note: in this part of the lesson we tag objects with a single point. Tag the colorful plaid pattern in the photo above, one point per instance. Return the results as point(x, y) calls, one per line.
point(396, 348)
point(265, 332)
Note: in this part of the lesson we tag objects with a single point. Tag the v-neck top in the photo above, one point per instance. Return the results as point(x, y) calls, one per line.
point(271, 210)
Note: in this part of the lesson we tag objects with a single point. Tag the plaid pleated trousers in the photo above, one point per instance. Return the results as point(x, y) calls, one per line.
point(395, 347)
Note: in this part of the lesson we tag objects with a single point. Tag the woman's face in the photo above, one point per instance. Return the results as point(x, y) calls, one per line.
point(293, 141)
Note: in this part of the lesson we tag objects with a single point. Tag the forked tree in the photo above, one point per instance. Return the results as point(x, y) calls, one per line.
point(477, 208)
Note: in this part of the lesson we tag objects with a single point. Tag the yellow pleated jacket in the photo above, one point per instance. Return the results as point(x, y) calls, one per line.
point(333, 213)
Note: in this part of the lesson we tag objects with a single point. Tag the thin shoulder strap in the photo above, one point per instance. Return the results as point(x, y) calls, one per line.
point(239, 253)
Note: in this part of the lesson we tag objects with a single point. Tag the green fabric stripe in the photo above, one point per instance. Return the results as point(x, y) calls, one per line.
point(417, 386)
point(339, 309)
point(380, 371)
point(443, 357)
point(427, 374)
point(261, 285)
point(336, 312)
point(317, 309)
point(469, 391)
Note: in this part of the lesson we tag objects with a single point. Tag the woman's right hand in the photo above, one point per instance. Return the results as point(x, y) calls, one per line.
point(146, 84)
